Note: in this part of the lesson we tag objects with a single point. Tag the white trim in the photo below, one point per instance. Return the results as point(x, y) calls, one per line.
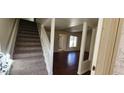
point(82, 48)
point(92, 44)
point(47, 46)
point(97, 44)
point(52, 42)
point(85, 66)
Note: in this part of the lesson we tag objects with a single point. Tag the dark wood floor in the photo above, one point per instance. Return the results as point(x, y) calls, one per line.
point(66, 63)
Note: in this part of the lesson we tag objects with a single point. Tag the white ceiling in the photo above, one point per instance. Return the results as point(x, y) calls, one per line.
point(69, 24)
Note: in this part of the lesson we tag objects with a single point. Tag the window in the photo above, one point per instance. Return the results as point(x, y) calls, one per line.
point(73, 41)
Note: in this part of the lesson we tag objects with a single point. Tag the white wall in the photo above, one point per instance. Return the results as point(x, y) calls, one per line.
point(56, 46)
point(78, 34)
point(6, 25)
point(29, 19)
point(46, 47)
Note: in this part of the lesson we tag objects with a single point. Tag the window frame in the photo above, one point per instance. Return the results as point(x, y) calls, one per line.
point(75, 41)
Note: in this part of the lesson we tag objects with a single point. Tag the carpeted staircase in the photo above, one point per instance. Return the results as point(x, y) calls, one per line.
point(28, 56)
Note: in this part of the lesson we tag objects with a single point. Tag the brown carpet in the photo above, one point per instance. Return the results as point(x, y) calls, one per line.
point(28, 56)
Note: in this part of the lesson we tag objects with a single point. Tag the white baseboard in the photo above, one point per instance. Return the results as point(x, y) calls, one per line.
point(85, 67)
point(80, 73)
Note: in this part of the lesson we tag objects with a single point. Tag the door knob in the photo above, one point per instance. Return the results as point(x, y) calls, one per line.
point(94, 68)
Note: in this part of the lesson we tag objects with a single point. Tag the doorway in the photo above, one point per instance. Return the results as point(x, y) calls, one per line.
point(62, 42)
point(67, 46)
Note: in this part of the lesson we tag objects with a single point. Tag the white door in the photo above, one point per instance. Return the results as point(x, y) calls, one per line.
point(62, 42)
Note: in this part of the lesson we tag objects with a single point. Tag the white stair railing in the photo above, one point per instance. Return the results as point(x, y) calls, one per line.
point(45, 47)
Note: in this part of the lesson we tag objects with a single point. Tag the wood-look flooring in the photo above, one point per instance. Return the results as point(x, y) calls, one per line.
point(66, 63)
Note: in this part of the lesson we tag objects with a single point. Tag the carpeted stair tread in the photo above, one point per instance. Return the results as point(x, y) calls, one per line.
point(29, 51)
point(27, 48)
point(28, 44)
point(28, 29)
point(28, 39)
point(33, 58)
point(28, 54)
point(28, 32)
point(26, 35)
point(28, 26)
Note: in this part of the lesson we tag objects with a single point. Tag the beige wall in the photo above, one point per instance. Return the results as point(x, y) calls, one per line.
point(104, 45)
point(6, 25)
point(119, 55)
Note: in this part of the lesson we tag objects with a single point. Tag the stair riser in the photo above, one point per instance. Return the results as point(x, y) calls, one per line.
point(32, 60)
point(28, 40)
point(27, 51)
point(28, 36)
point(28, 32)
point(25, 55)
point(27, 48)
point(26, 26)
point(28, 44)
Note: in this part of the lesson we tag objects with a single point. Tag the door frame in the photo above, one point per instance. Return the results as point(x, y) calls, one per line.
point(107, 33)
